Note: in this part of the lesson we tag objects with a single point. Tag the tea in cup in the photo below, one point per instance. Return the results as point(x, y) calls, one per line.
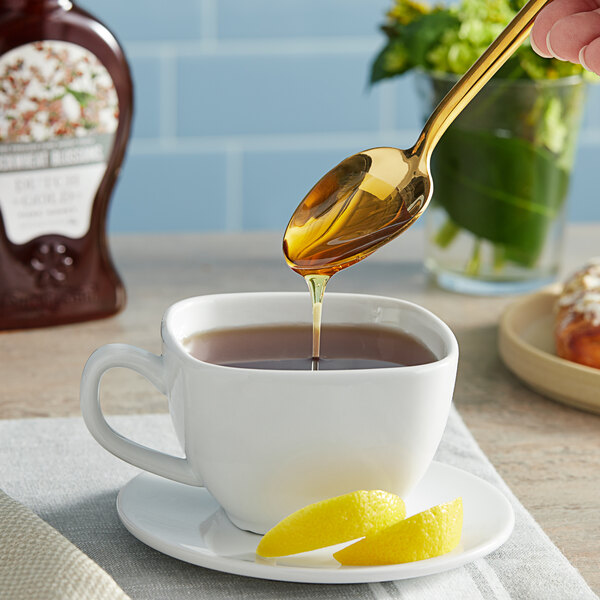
point(264, 433)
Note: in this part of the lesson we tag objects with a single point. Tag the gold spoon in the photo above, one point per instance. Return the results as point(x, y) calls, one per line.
point(373, 196)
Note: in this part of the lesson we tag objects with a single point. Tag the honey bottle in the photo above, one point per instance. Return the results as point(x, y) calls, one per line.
point(65, 115)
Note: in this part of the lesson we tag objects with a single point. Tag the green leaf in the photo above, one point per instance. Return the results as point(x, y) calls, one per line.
point(410, 44)
point(391, 61)
point(501, 189)
point(422, 35)
point(377, 68)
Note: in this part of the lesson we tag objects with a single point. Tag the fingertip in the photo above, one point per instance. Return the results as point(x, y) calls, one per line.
point(537, 49)
point(549, 46)
point(589, 56)
point(549, 15)
point(571, 33)
point(582, 58)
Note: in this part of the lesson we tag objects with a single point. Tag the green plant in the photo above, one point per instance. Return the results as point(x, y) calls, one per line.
point(448, 39)
point(501, 171)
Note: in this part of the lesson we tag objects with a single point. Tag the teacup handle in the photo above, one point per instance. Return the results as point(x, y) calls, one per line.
point(151, 367)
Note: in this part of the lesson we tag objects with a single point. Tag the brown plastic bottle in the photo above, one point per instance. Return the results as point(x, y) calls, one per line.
point(65, 115)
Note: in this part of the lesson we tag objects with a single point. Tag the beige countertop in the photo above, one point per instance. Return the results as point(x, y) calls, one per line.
point(547, 453)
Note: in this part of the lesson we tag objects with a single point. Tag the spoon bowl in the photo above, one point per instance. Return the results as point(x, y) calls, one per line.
point(362, 203)
point(373, 196)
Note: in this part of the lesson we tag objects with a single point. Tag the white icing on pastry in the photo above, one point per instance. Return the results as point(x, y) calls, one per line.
point(581, 293)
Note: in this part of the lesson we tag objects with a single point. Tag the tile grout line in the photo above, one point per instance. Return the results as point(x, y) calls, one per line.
point(388, 105)
point(211, 46)
point(168, 93)
point(261, 143)
point(209, 21)
point(234, 192)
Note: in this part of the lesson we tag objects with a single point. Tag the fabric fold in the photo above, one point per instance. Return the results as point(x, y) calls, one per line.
point(36, 561)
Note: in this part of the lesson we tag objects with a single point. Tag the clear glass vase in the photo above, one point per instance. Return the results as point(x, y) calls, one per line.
point(501, 176)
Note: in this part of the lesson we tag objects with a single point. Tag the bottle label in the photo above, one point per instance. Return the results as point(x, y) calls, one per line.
point(58, 117)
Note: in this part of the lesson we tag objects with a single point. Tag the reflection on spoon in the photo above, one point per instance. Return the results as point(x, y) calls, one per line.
point(353, 210)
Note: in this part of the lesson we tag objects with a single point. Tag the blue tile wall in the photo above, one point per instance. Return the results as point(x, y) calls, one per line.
point(146, 84)
point(257, 95)
point(149, 20)
point(303, 18)
point(171, 192)
point(225, 87)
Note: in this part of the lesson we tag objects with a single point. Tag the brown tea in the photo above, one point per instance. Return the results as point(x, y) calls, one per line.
point(289, 347)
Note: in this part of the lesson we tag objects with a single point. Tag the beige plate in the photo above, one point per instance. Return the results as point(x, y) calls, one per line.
point(526, 345)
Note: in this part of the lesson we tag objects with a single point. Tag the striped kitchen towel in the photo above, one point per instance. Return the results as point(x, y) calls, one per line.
point(54, 467)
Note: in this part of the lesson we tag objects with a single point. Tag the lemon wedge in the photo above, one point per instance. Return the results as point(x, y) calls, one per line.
point(332, 521)
point(427, 534)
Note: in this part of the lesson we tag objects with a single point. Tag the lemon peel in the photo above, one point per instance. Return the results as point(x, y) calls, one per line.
point(427, 534)
point(332, 521)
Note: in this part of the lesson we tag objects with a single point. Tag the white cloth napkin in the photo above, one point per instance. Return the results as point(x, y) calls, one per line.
point(37, 562)
point(55, 467)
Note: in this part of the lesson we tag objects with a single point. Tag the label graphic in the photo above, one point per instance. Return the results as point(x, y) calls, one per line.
point(58, 116)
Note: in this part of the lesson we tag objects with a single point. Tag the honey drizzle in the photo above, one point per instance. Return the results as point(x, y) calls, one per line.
point(316, 286)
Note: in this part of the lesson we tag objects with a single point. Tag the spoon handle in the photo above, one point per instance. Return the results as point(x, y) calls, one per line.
point(476, 77)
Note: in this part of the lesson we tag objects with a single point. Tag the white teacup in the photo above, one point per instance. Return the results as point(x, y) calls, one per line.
point(267, 442)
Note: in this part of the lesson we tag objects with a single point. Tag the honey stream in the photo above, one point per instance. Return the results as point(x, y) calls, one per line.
point(316, 286)
point(347, 215)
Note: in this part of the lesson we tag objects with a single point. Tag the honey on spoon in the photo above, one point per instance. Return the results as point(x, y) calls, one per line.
point(373, 196)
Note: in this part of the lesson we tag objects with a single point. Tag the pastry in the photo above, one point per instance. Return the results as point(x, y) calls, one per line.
point(577, 325)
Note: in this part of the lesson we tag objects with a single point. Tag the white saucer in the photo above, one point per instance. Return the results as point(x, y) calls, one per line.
point(186, 522)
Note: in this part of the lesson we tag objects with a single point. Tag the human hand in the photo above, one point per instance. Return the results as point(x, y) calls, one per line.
point(569, 30)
